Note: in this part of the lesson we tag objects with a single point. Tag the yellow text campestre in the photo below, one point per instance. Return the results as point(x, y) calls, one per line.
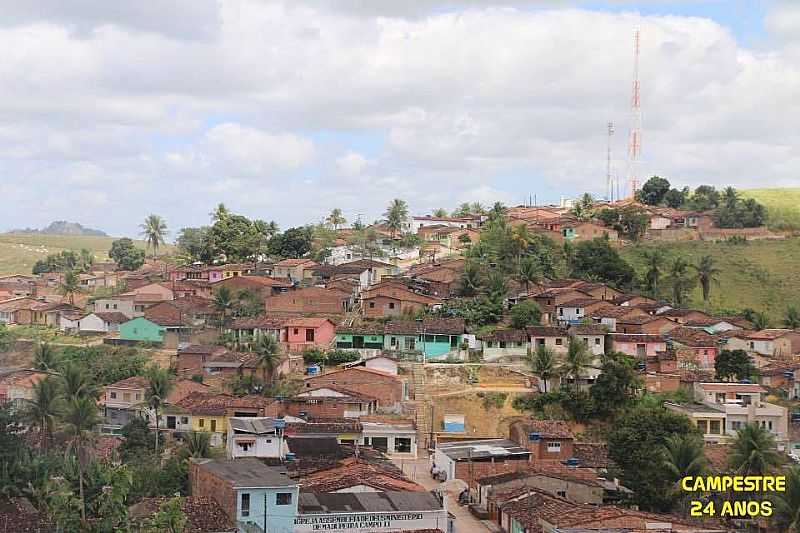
point(718, 485)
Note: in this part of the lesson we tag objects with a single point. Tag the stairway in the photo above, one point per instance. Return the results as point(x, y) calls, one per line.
point(422, 406)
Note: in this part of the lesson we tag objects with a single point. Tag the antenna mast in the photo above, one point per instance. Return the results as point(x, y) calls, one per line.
point(635, 142)
point(609, 182)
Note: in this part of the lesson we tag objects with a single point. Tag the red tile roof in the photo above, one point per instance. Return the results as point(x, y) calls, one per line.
point(308, 322)
point(554, 429)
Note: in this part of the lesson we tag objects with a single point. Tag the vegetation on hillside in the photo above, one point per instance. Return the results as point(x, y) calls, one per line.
point(782, 204)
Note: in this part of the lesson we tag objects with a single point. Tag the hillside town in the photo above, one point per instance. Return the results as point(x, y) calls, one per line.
point(487, 369)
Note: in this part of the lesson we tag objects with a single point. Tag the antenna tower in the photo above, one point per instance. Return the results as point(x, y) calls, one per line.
point(635, 142)
point(609, 180)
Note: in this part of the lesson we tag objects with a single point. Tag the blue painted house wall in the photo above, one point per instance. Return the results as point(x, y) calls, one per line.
point(280, 518)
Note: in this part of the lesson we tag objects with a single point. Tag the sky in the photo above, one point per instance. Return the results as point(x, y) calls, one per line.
point(283, 110)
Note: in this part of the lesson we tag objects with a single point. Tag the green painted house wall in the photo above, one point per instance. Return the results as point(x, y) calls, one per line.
point(355, 340)
point(433, 345)
point(141, 329)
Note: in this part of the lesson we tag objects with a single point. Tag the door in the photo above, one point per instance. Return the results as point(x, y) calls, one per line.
point(358, 342)
point(213, 425)
point(170, 422)
point(380, 443)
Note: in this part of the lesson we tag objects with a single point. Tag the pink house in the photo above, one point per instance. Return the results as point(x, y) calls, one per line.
point(302, 333)
point(639, 345)
point(206, 273)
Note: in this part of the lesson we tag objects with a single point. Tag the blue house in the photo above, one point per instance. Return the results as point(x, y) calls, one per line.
point(437, 338)
point(249, 492)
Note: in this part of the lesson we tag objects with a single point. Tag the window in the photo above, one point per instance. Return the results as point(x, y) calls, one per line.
point(309, 335)
point(736, 426)
point(489, 344)
point(245, 446)
point(393, 341)
point(454, 341)
point(715, 427)
point(597, 340)
point(113, 395)
point(502, 344)
point(138, 396)
point(213, 425)
point(106, 306)
point(553, 447)
point(296, 331)
point(560, 311)
point(245, 505)
point(202, 423)
point(115, 306)
point(402, 444)
point(372, 305)
point(769, 425)
point(184, 420)
point(283, 498)
point(561, 493)
point(559, 341)
point(391, 305)
point(126, 396)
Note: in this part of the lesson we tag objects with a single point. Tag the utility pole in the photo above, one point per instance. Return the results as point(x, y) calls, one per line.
point(609, 179)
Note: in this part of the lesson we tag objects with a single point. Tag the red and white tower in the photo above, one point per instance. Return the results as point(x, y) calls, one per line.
point(635, 141)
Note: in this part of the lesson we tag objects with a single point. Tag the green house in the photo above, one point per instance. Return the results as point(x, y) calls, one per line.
point(141, 329)
point(355, 339)
point(435, 337)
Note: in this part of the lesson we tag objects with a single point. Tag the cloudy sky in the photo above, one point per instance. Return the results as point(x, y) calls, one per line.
point(110, 111)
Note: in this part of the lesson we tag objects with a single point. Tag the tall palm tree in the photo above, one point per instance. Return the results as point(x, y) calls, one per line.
point(792, 317)
point(470, 279)
point(70, 286)
point(521, 236)
point(753, 452)
point(154, 229)
point(654, 263)
point(706, 273)
point(477, 209)
point(543, 363)
point(158, 388)
point(267, 349)
point(496, 285)
point(529, 272)
point(223, 303)
point(576, 360)
point(80, 417)
point(787, 503)
point(396, 216)
point(76, 383)
point(43, 409)
point(681, 456)
point(45, 357)
point(680, 280)
point(336, 218)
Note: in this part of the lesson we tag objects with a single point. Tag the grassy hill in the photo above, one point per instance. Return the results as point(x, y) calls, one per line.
point(783, 205)
point(19, 251)
point(763, 275)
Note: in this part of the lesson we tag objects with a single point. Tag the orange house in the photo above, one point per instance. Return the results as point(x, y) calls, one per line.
point(302, 333)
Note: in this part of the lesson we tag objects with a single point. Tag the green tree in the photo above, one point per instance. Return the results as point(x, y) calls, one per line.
point(45, 357)
point(542, 363)
point(169, 518)
point(267, 349)
point(576, 360)
point(675, 198)
point(617, 384)
point(76, 382)
point(760, 320)
point(529, 272)
point(85, 260)
point(683, 456)
point(440, 213)
point(526, 313)
point(653, 191)
point(138, 439)
point(70, 286)
point(470, 278)
point(496, 286)
point(294, 242)
point(791, 319)
point(154, 230)
point(634, 222)
point(197, 445)
point(706, 274)
point(126, 255)
point(597, 259)
point(733, 364)
point(753, 452)
point(654, 264)
point(396, 216)
point(336, 219)
point(223, 303)
point(787, 503)
point(463, 210)
point(43, 409)
point(158, 389)
point(80, 417)
point(680, 281)
point(194, 243)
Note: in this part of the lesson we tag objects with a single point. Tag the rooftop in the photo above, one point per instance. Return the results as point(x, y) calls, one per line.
point(245, 472)
point(552, 429)
point(477, 449)
point(366, 502)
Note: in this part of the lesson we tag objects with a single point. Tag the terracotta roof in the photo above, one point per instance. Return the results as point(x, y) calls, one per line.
point(203, 515)
point(181, 388)
point(368, 263)
point(681, 312)
point(201, 349)
point(294, 262)
point(636, 337)
point(693, 337)
point(589, 329)
point(506, 335)
point(230, 358)
point(738, 387)
point(616, 312)
point(308, 322)
point(765, 334)
point(431, 326)
point(114, 317)
point(553, 429)
point(263, 281)
point(717, 456)
point(330, 426)
point(218, 404)
point(546, 331)
point(133, 382)
point(582, 302)
point(257, 322)
point(15, 304)
point(592, 454)
point(352, 472)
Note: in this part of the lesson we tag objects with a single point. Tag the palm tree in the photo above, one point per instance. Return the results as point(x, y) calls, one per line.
point(70, 286)
point(529, 272)
point(787, 503)
point(198, 444)
point(760, 320)
point(336, 218)
point(154, 229)
point(706, 273)
point(680, 281)
point(470, 279)
point(477, 209)
point(681, 456)
point(753, 452)
point(223, 303)
point(654, 262)
point(396, 216)
point(267, 350)
point(158, 388)
point(792, 317)
point(79, 419)
point(45, 357)
point(521, 236)
point(496, 285)
point(76, 383)
point(440, 213)
point(576, 359)
point(543, 363)
point(43, 409)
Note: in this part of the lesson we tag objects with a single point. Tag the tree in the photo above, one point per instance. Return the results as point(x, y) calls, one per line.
point(791, 319)
point(617, 384)
point(634, 437)
point(198, 445)
point(524, 314)
point(683, 456)
point(787, 503)
point(470, 278)
point(543, 364)
point(440, 213)
point(706, 274)
point(86, 260)
point(126, 255)
point(680, 281)
point(753, 452)
point(154, 229)
point(70, 286)
point(582, 209)
point(79, 419)
point(294, 242)
point(223, 303)
point(704, 198)
point(76, 382)
point(576, 360)
point(396, 216)
point(496, 286)
point(194, 243)
point(45, 357)
point(760, 320)
point(634, 222)
point(596, 259)
point(43, 409)
point(654, 263)
point(463, 210)
point(138, 439)
point(675, 198)
point(521, 237)
point(267, 350)
point(336, 219)
point(733, 364)
point(653, 191)
point(529, 272)
point(169, 518)
point(158, 389)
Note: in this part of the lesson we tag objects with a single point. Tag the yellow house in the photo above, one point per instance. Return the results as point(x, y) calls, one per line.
point(235, 269)
point(209, 412)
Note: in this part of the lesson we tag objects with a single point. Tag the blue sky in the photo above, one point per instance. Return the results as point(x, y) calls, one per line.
point(286, 109)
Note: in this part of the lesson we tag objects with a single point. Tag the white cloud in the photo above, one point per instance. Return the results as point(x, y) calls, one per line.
point(351, 164)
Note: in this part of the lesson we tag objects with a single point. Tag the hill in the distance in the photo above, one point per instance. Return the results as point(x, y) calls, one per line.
point(62, 227)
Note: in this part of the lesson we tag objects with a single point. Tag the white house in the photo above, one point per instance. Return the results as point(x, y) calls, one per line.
point(101, 322)
point(380, 363)
point(395, 437)
point(260, 437)
point(120, 305)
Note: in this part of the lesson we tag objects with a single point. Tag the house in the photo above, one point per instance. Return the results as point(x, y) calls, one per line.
point(682, 316)
point(309, 300)
point(17, 310)
point(191, 310)
point(262, 286)
point(229, 364)
point(505, 344)
point(102, 322)
point(141, 329)
point(363, 337)
point(296, 270)
point(699, 347)
point(639, 345)
point(470, 460)
point(329, 403)
point(248, 491)
point(380, 363)
point(558, 295)
point(148, 295)
point(343, 431)
point(120, 305)
point(593, 335)
point(546, 440)
point(574, 311)
point(389, 390)
point(471, 221)
point(579, 231)
point(630, 300)
point(209, 412)
point(196, 287)
point(712, 325)
point(555, 338)
point(655, 325)
point(434, 338)
point(767, 342)
point(16, 387)
point(49, 314)
point(197, 273)
point(721, 409)
point(395, 437)
point(260, 437)
point(609, 316)
point(375, 270)
point(393, 298)
point(601, 291)
point(249, 329)
point(192, 358)
point(357, 475)
point(782, 375)
point(122, 401)
point(304, 333)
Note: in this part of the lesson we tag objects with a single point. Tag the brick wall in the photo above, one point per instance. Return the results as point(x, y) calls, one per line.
point(387, 389)
point(203, 483)
point(470, 471)
point(322, 409)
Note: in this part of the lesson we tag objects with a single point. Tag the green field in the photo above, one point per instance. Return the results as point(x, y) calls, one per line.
point(762, 275)
point(783, 206)
point(18, 252)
